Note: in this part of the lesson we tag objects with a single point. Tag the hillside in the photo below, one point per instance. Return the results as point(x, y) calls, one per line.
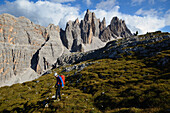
point(127, 75)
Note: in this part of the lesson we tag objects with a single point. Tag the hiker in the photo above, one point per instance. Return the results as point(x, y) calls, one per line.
point(59, 84)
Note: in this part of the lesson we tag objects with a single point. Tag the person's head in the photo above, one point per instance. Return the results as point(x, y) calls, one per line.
point(55, 74)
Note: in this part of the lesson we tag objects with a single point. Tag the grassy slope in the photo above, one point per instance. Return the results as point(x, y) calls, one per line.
point(128, 84)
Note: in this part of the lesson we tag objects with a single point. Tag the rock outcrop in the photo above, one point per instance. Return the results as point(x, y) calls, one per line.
point(47, 54)
point(71, 37)
point(102, 24)
point(117, 28)
point(28, 50)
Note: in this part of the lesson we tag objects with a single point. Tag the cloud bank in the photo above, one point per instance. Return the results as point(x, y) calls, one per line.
point(42, 12)
point(46, 12)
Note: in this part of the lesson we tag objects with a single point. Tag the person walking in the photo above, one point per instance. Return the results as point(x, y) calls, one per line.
point(59, 84)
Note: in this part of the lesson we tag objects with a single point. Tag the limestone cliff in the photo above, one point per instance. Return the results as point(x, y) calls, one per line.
point(117, 28)
point(28, 50)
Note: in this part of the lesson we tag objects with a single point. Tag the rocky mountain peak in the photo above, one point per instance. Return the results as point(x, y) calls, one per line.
point(114, 20)
point(102, 24)
point(53, 27)
point(69, 23)
point(88, 16)
point(7, 16)
point(88, 11)
point(76, 21)
point(93, 15)
point(117, 28)
point(28, 50)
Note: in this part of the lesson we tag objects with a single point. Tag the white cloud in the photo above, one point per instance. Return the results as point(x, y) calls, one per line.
point(106, 5)
point(136, 2)
point(152, 1)
point(151, 12)
point(144, 24)
point(139, 2)
point(62, 1)
point(88, 2)
point(167, 18)
point(42, 12)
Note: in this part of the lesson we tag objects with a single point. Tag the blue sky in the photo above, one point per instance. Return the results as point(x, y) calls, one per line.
point(139, 15)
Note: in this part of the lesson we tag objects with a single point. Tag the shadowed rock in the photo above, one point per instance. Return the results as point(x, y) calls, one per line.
point(117, 28)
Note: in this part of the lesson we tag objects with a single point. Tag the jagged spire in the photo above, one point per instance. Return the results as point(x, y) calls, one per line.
point(88, 16)
point(88, 10)
point(103, 24)
point(114, 20)
point(76, 21)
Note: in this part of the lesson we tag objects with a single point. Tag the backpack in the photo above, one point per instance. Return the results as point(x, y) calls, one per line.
point(63, 78)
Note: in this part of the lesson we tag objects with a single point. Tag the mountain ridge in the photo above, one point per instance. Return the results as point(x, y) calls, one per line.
point(120, 49)
point(26, 46)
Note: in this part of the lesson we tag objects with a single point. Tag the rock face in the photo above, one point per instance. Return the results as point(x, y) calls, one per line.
point(89, 27)
point(106, 35)
point(19, 39)
point(47, 54)
point(117, 28)
point(102, 24)
point(71, 37)
point(28, 50)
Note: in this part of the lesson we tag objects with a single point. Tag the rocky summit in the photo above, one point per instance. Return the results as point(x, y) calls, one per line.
point(28, 50)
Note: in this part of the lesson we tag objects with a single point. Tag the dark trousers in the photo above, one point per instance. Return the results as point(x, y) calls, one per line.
point(58, 92)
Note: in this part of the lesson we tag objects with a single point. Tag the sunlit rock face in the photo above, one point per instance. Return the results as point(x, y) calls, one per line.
point(27, 49)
